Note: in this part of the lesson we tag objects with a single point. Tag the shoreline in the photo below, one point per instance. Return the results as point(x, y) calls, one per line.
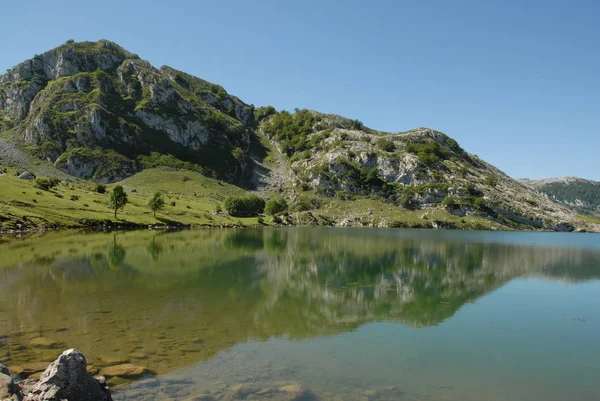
point(139, 227)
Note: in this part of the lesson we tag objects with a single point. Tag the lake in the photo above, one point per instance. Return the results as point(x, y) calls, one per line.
point(311, 313)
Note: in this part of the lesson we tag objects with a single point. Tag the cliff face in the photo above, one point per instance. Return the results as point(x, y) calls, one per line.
point(98, 112)
point(99, 96)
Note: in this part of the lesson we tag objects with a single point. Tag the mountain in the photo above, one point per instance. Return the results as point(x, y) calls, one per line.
point(578, 194)
point(99, 112)
point(93, 111)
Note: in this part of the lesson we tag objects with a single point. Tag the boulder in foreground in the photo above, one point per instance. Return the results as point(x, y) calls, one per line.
point(65, 379)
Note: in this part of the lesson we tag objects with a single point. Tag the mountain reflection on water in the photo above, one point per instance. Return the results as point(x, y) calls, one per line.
point(171, 299)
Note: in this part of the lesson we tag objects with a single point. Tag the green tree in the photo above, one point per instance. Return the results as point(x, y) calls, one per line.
point(156, 203)
point(118, 199)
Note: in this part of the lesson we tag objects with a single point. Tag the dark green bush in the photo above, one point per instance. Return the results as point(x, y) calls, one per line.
point(46, 183)
point(263, 112)
point(429, 153)
point(480, 203)
point(100, 188)
point(387, 145)
point(291, 130)
point(305, 204)
point(241, 206)
point(275, 206)
point(491, 180)
point(356, 124)
point(237, 153)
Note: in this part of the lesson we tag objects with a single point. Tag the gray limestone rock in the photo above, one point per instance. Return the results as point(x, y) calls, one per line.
point(66, 379)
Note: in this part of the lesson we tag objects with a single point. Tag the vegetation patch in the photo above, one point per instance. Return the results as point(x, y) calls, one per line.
point(244, 206)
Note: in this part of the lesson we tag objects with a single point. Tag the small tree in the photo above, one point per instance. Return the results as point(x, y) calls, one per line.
point(156, 202)
point(118, 199)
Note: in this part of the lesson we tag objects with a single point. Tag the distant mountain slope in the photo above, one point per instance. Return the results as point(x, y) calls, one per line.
point(576, 193)
point(97, 112)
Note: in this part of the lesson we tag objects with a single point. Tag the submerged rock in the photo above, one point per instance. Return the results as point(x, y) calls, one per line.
point(241, 391)
point(124, 370)
point(201, 397)
point(43, 342)
point(296, 392)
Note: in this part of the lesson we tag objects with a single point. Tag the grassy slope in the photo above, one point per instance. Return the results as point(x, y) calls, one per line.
point(22, 203)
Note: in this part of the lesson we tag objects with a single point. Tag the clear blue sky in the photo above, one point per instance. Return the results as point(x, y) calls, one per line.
point(515, 82)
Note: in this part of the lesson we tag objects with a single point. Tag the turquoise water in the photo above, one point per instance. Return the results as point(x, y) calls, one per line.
point(348, 314)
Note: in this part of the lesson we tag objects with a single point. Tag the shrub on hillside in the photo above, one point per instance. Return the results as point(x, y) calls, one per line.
point(237, 153)
point(291, 130)
point(387, 145)
point(429, 153)
point(46, 183)
point(305, 204)
point(241, 206)
point(276, 206)
point(100, 188)
point(491, 180)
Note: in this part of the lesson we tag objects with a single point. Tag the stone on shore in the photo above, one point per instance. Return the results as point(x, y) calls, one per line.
point(4, 369)
point(66, 379)
point(7, 386)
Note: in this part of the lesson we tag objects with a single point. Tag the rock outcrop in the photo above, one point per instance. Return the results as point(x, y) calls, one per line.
point(65, 379)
